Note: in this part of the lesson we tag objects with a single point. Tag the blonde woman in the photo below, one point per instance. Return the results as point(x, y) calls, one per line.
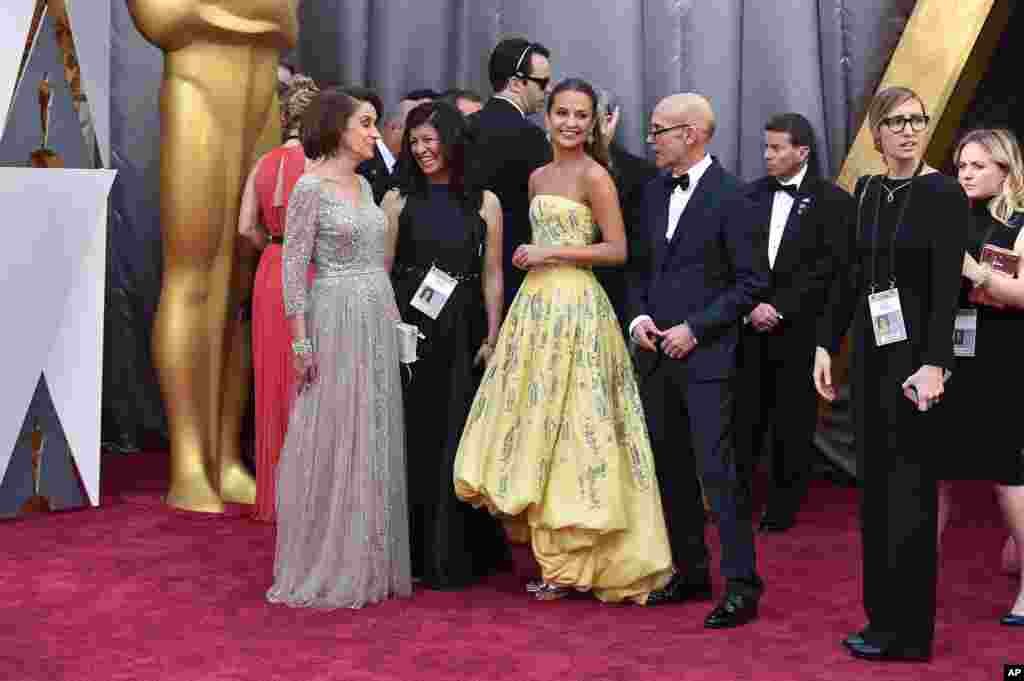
point(261, 224)
point(904, 279)
point(991, 171)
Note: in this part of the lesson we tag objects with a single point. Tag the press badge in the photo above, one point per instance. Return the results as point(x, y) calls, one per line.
point(887, 317)
point(965, 333)
point(434, 291)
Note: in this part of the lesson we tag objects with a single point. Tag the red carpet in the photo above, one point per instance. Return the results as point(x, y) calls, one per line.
point(133, 591)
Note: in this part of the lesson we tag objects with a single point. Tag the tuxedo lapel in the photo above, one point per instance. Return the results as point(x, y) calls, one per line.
point(795, 219)
point(699, 204)
point(659, 224)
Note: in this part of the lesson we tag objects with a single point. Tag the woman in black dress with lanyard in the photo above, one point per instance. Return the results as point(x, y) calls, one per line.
point(900, 295)
point(444, 223)
point(991, 171)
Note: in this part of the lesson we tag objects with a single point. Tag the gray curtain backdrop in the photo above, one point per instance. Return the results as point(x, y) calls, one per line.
point(753, 58)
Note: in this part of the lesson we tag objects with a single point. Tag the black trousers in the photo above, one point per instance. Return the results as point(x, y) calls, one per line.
point(898, 514)
point(776, 396)
point(691, 429)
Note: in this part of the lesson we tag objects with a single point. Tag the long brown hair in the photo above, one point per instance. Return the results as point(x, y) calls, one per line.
point(596, 145)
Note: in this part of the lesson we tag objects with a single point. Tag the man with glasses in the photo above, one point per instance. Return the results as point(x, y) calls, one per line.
point(705, 270)
point(507, 146)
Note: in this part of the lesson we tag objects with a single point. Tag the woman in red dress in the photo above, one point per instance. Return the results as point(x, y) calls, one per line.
point(261, 223)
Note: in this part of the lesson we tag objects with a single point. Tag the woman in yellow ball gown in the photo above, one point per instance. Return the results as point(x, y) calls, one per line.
point(556, 443)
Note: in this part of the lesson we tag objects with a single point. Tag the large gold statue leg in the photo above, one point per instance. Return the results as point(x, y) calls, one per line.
point(236, 483)
point(218, 92)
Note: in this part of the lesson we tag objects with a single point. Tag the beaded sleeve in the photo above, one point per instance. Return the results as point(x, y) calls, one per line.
point(299, 238)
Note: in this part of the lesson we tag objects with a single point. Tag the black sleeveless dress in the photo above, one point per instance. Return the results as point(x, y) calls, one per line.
point(985, 423)
point(453, 544)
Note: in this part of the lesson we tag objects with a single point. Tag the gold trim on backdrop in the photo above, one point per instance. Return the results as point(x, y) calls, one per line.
point(931, 57)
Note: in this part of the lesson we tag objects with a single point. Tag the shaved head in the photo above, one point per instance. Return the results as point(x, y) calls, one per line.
point(688, 107)
point(681, 126)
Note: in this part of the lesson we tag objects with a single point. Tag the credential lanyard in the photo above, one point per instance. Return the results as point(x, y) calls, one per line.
point(895, 232)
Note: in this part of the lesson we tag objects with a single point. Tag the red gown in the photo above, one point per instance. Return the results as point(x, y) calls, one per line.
point(276, 175)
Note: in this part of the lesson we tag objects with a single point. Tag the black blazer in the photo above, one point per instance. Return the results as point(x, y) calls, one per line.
point(712, 273)
point(814, 247)
point(506, 148)
point(631, 174)
point(376, 173)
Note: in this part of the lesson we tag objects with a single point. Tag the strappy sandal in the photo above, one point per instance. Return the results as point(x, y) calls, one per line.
point(551, 592)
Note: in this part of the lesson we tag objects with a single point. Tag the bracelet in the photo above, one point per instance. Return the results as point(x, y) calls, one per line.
point(986, 276)
point(303, 346)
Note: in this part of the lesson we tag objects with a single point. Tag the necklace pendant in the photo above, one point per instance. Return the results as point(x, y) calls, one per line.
point(890, 198)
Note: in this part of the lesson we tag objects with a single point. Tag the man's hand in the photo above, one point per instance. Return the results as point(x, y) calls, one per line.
point(646, 334)
point(764, 317)
point(822, 374)
point(678, 341)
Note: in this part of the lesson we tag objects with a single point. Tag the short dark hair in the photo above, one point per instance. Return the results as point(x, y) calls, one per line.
point(801, 134)
point(510, 54)
point(452, 134)
point(455, 94)
point(422, 93)
point(327, 117)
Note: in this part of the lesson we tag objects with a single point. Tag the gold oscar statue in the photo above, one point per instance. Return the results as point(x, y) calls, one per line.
point(218, 113)
point(37, 503)
point(44, 156)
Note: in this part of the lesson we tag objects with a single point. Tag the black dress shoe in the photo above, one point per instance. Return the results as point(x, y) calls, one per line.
point(864, 650)
point(771, 523)
point(856, 639)
point(680, 589)
point(1012, 620)
point(735, 609)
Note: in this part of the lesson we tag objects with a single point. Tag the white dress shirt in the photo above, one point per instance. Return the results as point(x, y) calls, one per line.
point(782, 205)
point(389, 158)
point(677, 203)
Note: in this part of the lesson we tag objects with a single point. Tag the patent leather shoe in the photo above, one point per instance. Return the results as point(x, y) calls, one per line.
point(1011, 620)
point(775, 523)
point(864, 650)
point(680, 589)
point(734, 610)
point(855, 639)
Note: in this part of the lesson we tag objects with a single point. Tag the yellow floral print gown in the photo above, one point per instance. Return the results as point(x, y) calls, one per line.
point(556, 443)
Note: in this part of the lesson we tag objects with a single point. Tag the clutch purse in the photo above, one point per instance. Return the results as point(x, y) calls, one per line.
point(1001, 260)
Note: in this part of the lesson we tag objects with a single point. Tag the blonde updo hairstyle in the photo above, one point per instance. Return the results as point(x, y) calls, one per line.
point(302, 90)
point(1002, 146)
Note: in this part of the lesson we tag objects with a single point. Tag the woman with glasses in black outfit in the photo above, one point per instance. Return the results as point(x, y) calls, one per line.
point(900, 293)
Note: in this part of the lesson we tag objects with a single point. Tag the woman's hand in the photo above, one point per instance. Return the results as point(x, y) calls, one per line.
point(528, 256)
point(924, 387)
point(307, 370)
point(981, 296)
point(823, 374)
point(483, 355)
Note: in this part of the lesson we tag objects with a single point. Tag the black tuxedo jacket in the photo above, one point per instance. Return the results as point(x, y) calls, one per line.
point(814, 247)
point(631, 174)
point(376, 173)
point(506, 148)
point(709, 275)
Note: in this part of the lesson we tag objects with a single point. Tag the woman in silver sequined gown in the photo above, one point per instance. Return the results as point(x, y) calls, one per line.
point(342, 532)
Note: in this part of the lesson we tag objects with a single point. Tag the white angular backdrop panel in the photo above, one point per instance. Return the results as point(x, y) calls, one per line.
point(15, 21)
point(54, 262)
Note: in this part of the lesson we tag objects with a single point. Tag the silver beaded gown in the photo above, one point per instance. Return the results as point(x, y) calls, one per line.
point(342, 510)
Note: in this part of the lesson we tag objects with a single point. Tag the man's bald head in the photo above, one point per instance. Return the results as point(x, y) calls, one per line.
point(681, 126)
point(691, 108)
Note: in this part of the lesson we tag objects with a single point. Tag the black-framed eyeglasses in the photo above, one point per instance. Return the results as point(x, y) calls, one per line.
point(652, 133)
point(918, 122)
point(542, 83)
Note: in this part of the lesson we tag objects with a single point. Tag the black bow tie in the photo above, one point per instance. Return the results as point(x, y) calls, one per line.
point(791, 189)
point(683, 182)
